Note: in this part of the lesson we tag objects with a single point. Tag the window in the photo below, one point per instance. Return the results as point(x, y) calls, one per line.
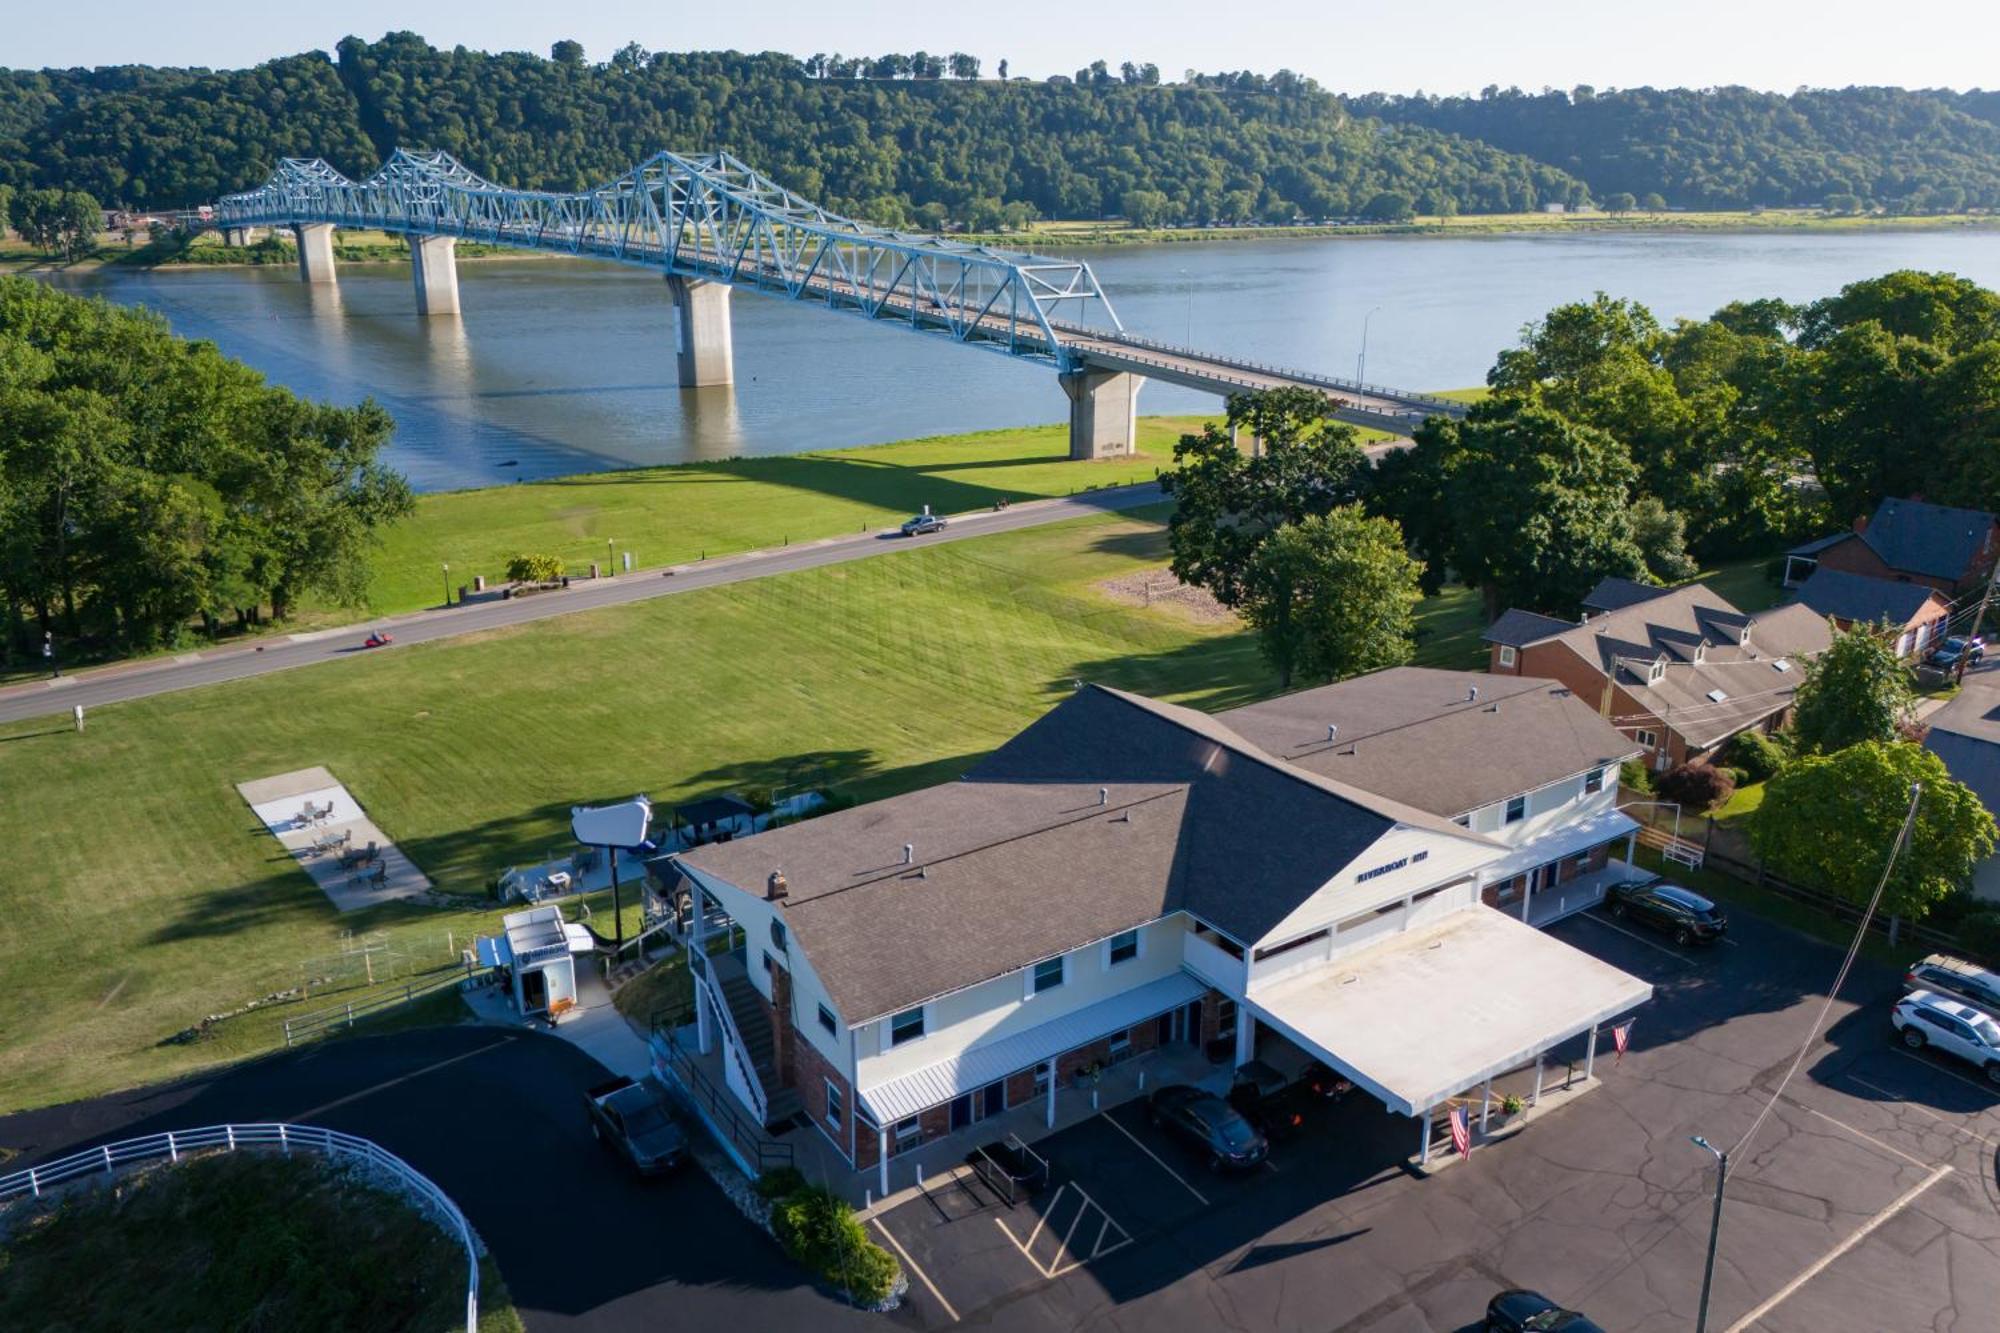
point(906, 1026)
point(1042, 1079)
point(1656, 673)
point(1463, 821)
point(1121, 1047)
point(827, 1021)
point(777, 934)
point(1122, 948)
point(1647, 739)
point(1517, 809)
point(833, 1104)
point(1507, 655)
point(1360, 919)
point(1593, 781)
point(1048, 974)
point(909, 1133)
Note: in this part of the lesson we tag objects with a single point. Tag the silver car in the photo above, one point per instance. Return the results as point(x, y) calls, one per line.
point(1925, 1019)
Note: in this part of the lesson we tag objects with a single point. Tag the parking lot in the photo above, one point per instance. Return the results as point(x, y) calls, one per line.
point(1866, 1201)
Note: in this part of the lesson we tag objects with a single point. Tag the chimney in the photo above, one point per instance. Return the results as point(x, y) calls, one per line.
point(1103, 796)
point(1861, 524)
point(776, 887)
point(1472, 694)
point(909, 852)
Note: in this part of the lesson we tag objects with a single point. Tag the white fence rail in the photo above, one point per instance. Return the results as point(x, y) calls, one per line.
point(111, 1158)
point(323, 1021)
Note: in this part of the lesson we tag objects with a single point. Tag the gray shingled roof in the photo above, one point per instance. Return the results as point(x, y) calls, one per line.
point(1921, 538)
point(1858, 597)
point(1018, 861)
point(1518, 629)
point(1614, 594)
point(1965, 733)
point(1417, 735)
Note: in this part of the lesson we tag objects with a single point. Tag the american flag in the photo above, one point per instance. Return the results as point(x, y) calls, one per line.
point(1461, 1131)
point(1622, 1036)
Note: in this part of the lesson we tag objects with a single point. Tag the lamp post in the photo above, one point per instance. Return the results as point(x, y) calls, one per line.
point(610, 565)
point(1714, 1228)
point(447, 584)
point(1361, 362)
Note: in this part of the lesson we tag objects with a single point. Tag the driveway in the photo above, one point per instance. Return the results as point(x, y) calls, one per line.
point(495, 1118)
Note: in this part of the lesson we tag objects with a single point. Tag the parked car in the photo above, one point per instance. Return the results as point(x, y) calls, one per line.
point(631, 1119)
point(1275, 1105)
point(1521, 1311)
point(1923, 1018)
point(1669, 909)
point(1210, 1125)
point(922, 523)
point(1947, 654)
point(1943, 974)
point(1325, 1082)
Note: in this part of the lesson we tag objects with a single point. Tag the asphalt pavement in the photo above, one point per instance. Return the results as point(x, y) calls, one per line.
point(115, 684)
point(495, 1117)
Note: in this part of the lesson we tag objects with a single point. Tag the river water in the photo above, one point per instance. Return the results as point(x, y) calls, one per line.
point(560, 366)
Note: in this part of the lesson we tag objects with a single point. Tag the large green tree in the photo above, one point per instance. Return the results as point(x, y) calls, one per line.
point(1829, 821)
point(63, 222)
point(1855, 691)
point(1332, 595)
point(1279, 457)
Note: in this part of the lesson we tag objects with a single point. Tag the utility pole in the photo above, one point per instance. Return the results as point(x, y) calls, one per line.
point(1714, 1229)
point(1978, 623)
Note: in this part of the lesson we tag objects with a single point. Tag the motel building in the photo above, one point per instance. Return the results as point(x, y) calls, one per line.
point(1354, 875)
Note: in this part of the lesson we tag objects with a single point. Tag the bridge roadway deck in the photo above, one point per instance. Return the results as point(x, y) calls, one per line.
point(140, 679)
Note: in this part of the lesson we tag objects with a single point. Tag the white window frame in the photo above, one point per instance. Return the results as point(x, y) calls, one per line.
point(836, 1105)
point(1118, 1048)
point(1646, 738)
point(923, 1027)
point(1656, 673)
point(1593, 782)
point(1508, 816)
point(1138, 948)
point(899, 1141)
point(1507, 655)
point(1034, 983)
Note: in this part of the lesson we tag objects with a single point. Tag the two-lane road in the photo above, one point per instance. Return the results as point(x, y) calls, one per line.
point(116, 684)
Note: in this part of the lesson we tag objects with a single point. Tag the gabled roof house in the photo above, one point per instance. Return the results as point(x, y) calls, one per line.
point(1907, 541)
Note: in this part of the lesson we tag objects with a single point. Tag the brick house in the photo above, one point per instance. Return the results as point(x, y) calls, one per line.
point(1907, 541)
point(1679, 672)
point(1123, 875)
point(1914, 614)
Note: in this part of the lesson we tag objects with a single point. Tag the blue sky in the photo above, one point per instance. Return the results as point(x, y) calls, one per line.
point(1392, 45)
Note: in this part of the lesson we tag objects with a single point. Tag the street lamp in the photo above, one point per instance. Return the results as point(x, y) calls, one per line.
point(447, 584)
point(1714, 1228)
point(1361, 362)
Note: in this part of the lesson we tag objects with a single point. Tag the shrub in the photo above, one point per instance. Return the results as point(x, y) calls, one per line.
point(1979, 934)
point(780, 1181)
point(535, 568)
point(1758, 755)
point(817, 1228)
point(1697, 786)
point(1633, 773)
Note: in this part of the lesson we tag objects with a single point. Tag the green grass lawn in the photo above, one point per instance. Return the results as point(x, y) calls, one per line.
point(1743, 583)
point(141, 896)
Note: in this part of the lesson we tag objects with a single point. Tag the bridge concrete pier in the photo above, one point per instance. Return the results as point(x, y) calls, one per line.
point(1103, 412)
point(434, 270)
point(315, 251)
point(704, 350)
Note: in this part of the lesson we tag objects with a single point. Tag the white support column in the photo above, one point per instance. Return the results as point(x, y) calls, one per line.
point(1246, 1036)
point(882, 1157)
point(704, 1024)
point(1424, 1143)
point(1590, 1054)
point(1052, 1092)
point(315, 241)
point(1540, 1058)
point(1631, 846)
point(1485, 1105)
point(1528, 894)
point(704, 351)
point(434, 270)
point(1103, 413)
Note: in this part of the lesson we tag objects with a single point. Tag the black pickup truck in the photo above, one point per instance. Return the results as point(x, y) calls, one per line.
point(631, 1118)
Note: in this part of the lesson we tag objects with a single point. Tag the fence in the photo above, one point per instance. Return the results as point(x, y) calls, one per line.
point(1838, 908)
point(113, 1157)
point(322, 1021)
point(757, 1149)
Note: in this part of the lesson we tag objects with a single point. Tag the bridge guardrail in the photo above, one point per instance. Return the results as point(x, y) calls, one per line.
point(1450, 406)
point(110, 1158)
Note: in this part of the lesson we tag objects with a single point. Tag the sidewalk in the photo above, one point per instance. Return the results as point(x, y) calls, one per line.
point(595, 1026)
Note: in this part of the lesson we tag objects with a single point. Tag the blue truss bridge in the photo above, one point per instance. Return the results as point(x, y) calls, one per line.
point(711, 224)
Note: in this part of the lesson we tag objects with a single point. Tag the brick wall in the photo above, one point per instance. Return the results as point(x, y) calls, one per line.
point(810, 1073)
point(779, 1007)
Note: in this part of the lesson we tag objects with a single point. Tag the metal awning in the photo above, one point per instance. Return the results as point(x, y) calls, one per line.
point(1569, 840)
point(1431, 1012)
point(898, 1098)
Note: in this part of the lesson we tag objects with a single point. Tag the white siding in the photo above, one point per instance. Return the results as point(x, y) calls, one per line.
point(1548, 808)
point(997, 1008)
point(1429, 859)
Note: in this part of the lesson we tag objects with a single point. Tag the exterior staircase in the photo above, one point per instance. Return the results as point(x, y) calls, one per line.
point(746, 1010)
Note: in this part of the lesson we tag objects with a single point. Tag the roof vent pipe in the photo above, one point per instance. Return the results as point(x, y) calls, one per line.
point(1332, 733)
point(909, 852)
point(1103, 796)
point(1472, 694)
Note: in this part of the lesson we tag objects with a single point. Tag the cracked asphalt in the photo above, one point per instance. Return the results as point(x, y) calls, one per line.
point(1867, 1201)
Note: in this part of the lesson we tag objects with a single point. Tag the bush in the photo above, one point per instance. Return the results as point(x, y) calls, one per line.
point(1633, 773)
point(817, 1228)
point(1979, 934)
point(779, 1182)
point(1697, 787)
point(535, 568)
point(1758, 755)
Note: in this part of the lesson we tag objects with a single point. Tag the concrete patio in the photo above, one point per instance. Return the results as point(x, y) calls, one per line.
point(280, 803)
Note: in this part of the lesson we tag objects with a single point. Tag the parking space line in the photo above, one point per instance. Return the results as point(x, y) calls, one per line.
point(911, 1265)
point(1909, 1105)
point(1866, 1138)
point(1609, 924)
point(1820, 1265)
point(1156, 1159)
point(1043, 1220)
point(1989, 1088)
point(1008, 1232)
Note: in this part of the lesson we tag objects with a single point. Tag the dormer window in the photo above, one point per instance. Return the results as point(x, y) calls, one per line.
point(1700, 652)
point(1744, 637)
point(1657, 672)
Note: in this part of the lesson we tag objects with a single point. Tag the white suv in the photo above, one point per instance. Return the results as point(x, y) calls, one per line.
point(1954, 1027)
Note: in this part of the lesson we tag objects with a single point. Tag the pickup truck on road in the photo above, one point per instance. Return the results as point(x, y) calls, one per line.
point(631, 1118)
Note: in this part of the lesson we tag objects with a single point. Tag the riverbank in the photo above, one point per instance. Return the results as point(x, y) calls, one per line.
point(207, 250)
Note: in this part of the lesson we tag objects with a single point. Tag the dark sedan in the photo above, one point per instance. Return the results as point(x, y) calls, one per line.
point(1531, 1312)
point(1669, 909)
point(1210, 1125)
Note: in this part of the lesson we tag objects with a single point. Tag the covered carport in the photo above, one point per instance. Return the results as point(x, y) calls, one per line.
point(1428, 1014)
